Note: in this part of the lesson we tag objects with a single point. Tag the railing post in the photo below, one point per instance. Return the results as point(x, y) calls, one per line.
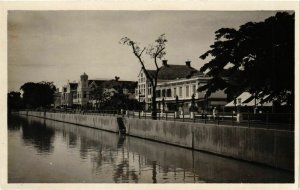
point(232, 119)
point(218, 118)
point(166, 116)
point(182, 116)
point(248, 119)
point(194, 118)
point(205, 118)
point(139, 114)
point(223, 115)
point(174, 116)
point(267, 119)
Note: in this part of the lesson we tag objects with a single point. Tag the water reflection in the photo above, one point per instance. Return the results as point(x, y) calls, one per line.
point(80, 154)
point(35, 133)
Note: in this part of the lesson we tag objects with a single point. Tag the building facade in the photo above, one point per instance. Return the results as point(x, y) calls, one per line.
point(181, 81)
point(68, 93)
point(79, 94)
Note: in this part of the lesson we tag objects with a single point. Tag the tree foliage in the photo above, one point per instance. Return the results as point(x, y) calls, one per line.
point(14, 100)
point(155, 51)
point(38, 94)
point(258, 58)
point(99, 95)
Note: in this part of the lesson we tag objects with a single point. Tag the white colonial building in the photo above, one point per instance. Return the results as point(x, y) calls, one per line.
point(177, 80)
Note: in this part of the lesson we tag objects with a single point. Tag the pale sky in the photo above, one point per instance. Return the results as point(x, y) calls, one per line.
point(60, 45)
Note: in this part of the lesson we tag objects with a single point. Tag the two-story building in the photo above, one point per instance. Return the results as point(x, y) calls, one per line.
point(177, 80)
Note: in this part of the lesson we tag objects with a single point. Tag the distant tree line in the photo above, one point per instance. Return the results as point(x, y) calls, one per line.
point(14, 101)
point(34, 95)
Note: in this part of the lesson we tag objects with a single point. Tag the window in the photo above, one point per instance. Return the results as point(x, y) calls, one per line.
point(84, 95)
point(180, 91)
point(163, 93)
point(187, 90)
point(158, 93)
point(169, 94)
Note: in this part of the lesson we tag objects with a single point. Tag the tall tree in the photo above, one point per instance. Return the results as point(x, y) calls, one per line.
point(38, 94)
point(155, 51)
point(257, 58)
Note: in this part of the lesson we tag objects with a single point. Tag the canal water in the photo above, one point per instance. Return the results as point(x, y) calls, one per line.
point(46, 151)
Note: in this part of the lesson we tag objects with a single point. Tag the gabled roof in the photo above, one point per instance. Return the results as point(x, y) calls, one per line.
point(171, 72)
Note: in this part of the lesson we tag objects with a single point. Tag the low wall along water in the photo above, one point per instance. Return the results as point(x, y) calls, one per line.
point(108, 123)
point(266, 146)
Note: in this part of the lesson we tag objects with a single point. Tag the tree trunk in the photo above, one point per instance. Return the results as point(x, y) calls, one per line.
point(154, 110)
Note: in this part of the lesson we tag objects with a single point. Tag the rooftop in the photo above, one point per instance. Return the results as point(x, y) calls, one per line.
point(171, 72)
point(98, 82)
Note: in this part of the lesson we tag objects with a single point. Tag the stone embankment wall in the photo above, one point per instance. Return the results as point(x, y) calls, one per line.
point(108, 123)
point(267, 146)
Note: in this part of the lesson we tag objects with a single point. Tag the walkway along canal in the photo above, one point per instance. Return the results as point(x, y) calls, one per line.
point(266, 146)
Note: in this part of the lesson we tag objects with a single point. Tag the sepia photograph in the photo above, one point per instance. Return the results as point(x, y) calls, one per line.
point(151, 96)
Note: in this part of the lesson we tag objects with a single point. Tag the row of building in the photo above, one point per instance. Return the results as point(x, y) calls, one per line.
point(78, 94)
point(176, 87)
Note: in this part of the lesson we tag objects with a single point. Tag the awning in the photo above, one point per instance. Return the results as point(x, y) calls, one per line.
point(246, 99)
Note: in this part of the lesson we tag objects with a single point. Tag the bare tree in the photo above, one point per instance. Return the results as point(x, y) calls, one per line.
point(155, 51)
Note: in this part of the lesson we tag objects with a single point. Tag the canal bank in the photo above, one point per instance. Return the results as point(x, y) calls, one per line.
point(266, 146)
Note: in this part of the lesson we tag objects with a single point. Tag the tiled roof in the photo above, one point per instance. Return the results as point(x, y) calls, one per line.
point(98, 82)
point(198, 73)
point(123, 84)
point(171, 72)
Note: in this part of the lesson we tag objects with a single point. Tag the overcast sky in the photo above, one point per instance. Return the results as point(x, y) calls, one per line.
point(60, 45)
